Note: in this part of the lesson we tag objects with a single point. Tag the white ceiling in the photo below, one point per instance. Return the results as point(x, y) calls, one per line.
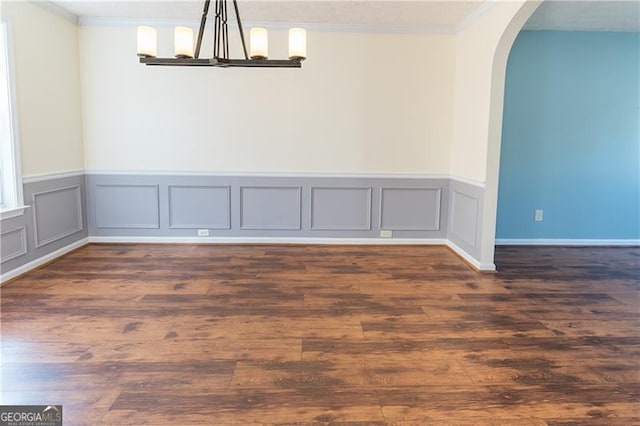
point(410, 16)
point(380, 15)
point(586, 15)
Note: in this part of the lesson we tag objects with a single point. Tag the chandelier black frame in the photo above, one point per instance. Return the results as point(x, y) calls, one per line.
point(221, 45)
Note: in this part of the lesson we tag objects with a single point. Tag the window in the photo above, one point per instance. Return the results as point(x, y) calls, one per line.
point(11, 202)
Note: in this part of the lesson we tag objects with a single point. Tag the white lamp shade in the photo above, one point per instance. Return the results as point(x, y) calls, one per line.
point(297, 43)
point(183, 42)
point(147, 42)
point(259, 45)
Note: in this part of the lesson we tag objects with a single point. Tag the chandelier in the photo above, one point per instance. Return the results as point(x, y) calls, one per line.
point(185, 55)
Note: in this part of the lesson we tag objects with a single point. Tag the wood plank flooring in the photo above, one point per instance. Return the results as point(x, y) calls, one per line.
point(186, 335)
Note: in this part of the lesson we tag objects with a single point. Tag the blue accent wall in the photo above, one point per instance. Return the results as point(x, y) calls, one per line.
point(571, 137)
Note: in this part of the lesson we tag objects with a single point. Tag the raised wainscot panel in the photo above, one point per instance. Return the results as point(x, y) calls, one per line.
point(464, 217)
point(340, 208)
point(13, 244)
point(410, 209)
point(57, 213)
point(193, 207)
point(127, 206)
point(270, 207)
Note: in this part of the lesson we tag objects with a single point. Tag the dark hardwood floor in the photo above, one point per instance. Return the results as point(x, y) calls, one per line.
point(181, 335)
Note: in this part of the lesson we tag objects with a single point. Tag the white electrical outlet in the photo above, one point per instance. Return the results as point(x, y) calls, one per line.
point(203, 232)
point(538, 216)
point(386, 233)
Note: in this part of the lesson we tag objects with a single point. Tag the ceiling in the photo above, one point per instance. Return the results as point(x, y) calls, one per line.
point(409, 16)
point(376, 15)
point(586, 15)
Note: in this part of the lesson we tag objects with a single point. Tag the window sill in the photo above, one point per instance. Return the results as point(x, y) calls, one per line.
point(9, 212)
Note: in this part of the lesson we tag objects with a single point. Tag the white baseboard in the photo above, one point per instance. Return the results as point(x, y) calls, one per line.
point(245, 240)
point(270, 240)
point(273, 240)
point(42, 260)
point(488, 267)
point(564, 242)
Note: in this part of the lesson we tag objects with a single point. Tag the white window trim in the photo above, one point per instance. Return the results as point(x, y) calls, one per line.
point(14, 185)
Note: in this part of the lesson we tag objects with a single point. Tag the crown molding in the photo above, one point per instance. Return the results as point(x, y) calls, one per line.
point(53, 8)
point(473, 17)
point(317, 27)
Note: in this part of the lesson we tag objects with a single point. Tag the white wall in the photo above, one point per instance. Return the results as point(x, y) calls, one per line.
point(475, 50)
point(361, 103)
point(481, 59)
point(45, 49)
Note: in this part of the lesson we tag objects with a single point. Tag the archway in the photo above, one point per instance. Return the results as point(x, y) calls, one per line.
point(498, 76)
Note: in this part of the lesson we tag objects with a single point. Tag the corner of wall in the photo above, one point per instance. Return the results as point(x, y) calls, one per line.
point(464, 232)
point(44, 233)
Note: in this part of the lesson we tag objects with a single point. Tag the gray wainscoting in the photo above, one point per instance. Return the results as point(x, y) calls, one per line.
point(55, 219)
point(57, 213)
point(199, 207)
point(353, 214)
point(127, 206)
point(243, 206)
point(465, 217)
point(411, 209)
point(66, 210)
point(14, 243)
point(270, 207)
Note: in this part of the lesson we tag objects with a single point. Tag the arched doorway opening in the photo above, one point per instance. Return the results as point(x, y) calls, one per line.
point(569, 137)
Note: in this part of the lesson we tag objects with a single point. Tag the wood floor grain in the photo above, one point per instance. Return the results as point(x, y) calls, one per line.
point(201, 335)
